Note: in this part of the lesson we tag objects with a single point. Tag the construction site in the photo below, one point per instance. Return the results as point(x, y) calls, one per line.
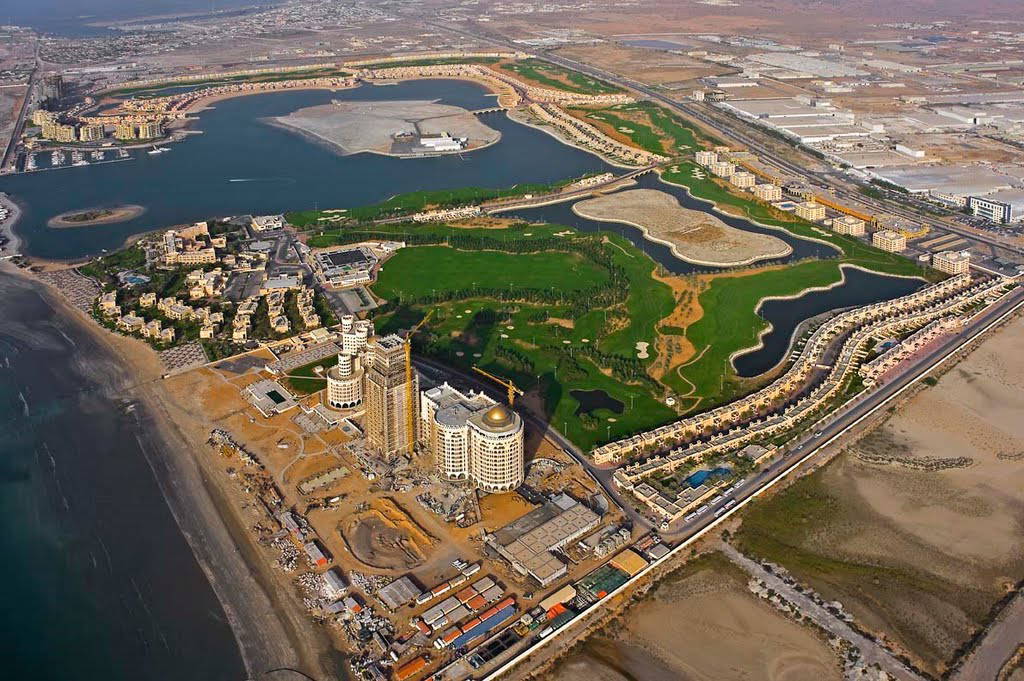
point(411, 572)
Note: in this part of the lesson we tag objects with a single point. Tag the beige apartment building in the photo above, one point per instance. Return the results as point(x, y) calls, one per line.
point(809, 210)
point(722, 168)
point(386, 397)
point(889, 240)
point(706, 158)
point(743, 179)
point(345, 382)
point(124, 130)
point(90, 133)
point(952, 262)
point(849, 225)
point(768, 192)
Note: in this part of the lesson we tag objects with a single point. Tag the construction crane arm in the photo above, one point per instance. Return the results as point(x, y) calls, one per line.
point(511, 387)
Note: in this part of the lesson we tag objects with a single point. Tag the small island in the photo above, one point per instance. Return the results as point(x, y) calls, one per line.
point(96, 216)
point(693, 235)
point(406, 129)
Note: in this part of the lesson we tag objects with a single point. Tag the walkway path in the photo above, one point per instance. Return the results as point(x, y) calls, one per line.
point(871, 652)
point(1001, 641)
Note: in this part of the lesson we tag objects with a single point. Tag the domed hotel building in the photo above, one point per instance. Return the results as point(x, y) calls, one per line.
point(473, 438)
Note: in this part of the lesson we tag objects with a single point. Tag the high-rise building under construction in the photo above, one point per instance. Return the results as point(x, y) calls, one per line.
point(386, 396)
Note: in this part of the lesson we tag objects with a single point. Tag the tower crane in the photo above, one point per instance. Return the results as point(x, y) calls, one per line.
point(410, 403)
point(508, 385)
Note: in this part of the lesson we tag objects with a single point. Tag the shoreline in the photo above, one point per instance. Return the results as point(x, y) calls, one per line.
point(797, 329)
point(270, 628)
point(14, 242)
point(334, 147)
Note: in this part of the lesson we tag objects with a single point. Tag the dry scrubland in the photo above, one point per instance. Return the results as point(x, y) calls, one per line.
point(919, 556)
point(702, 624)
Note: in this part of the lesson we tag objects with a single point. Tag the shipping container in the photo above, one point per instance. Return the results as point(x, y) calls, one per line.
point(410, 668)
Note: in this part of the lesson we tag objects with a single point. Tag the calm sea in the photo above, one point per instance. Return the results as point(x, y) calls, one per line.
point(74, 17)
point(98, 581)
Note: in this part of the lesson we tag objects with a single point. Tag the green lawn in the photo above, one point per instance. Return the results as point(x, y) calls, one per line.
point(664, 132)
point(412, 202)
point(554, 343)
point(420, 271)
point(730, 324)
point(542, 72)
point(304, 380)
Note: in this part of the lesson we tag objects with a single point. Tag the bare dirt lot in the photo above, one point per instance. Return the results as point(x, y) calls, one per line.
point(693, 235)
point(649, 66)
point(702, 624)
point(917, 528)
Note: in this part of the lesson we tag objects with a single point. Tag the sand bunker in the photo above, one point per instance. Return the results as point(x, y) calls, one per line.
point(354, 127)
point(693, 235)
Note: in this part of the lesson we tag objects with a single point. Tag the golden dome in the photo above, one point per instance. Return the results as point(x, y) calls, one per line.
point(498, 415)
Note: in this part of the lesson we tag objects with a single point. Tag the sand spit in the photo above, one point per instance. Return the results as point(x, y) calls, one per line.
point(86, 217)
point(354, 127)
point(272, 629)
point(693, 235)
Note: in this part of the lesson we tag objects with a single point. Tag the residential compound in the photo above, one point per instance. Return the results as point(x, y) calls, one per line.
point(777, 408)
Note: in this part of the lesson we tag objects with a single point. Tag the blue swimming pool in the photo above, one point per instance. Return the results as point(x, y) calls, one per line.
point(698, 478)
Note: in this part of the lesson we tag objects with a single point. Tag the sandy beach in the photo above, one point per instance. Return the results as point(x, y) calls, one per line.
point(272, 629)
point(13, 245)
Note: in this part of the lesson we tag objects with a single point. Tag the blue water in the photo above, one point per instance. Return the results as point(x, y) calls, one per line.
point(860, 288)
point(698, 478)
point(98, 583)
point(73, 17)
point(242, 165)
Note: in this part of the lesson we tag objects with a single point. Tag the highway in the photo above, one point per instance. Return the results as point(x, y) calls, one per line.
point(19, 123)
point(732, 130)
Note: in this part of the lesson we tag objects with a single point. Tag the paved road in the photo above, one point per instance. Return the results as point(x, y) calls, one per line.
point(1001, 641)
point(19, 123)
point(871, 652)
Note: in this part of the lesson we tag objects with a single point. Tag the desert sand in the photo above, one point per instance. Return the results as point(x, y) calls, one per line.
point(702, 626)
point(921, 556)
point(693, 235)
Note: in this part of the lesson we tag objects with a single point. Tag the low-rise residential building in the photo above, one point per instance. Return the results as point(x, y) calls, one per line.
point(768, 192)
point(743, 179)
point(952, 262)
point(889, 240)
point(849, 225)
point(706, 158)
point(131, 323)
point(722, 168)
point(266, 223)
point(809, 210)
